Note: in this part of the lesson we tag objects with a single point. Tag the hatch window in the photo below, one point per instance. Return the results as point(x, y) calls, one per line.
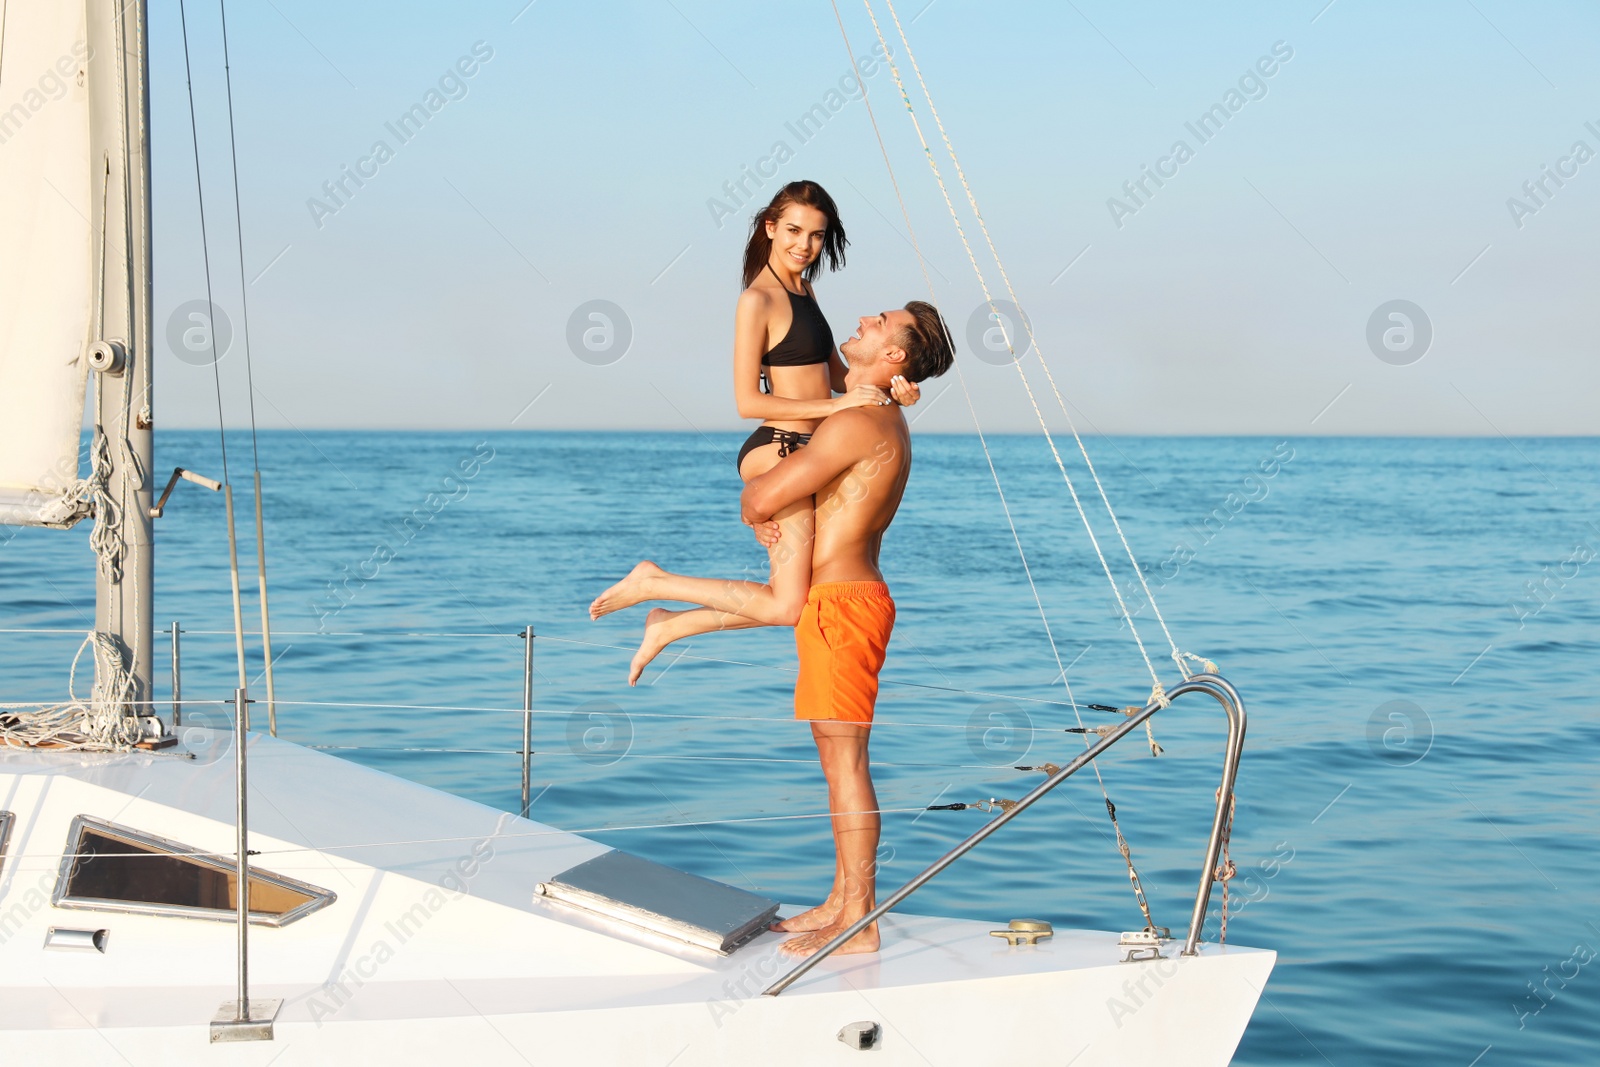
point(113, 868)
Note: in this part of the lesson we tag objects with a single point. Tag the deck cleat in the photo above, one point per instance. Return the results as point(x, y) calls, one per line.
point(1025, 932)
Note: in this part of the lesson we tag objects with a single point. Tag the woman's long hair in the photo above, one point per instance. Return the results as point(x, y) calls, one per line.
point(759, 247)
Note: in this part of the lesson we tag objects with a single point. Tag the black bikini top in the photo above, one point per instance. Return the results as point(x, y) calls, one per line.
point(809, 340)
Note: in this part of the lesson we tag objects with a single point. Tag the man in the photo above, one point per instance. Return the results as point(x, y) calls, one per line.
point(856, 467)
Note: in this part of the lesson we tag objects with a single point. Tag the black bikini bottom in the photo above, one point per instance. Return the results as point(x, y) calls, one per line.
point(786, 440)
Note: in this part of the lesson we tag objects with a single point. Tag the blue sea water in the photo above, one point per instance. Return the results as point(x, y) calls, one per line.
point(1416, 831)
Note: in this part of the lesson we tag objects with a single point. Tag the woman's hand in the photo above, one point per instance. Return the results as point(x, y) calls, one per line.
point(862, 396)
point(904, 391)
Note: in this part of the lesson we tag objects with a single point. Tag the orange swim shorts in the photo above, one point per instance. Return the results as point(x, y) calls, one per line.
point(842, 637)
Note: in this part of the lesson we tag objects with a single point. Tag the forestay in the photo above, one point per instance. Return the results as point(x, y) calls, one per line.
point(46, 269)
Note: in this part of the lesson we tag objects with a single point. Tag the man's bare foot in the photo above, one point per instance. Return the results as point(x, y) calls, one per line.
point(633, 589)
point(655, 639)
point(813, 942)
point(817, 918)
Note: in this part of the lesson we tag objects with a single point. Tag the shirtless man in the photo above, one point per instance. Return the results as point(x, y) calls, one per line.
point(856, 466)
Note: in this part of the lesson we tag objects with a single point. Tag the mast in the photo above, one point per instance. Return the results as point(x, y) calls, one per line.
point(119, 144)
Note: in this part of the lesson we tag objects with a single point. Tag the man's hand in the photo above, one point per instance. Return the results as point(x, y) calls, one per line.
point(767, 532)
point(835, 447)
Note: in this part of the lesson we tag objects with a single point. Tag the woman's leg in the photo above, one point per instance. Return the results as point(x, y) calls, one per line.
point(728, 604)
point(662, 627)
point(778, 603)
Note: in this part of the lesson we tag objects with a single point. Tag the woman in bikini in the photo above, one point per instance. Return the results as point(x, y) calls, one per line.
point(782, 342)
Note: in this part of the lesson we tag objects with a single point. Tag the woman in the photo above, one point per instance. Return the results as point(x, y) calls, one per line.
point(782, 342)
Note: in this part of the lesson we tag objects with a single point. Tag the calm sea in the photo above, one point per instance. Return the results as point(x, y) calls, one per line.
point(1413, 624)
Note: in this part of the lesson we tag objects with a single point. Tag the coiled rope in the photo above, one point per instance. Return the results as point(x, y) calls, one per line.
point(99, 723)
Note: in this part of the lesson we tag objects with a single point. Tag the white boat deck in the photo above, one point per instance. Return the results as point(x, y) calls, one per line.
point(437, 935)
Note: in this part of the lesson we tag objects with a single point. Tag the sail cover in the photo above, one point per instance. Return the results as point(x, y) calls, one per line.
point(46, 263)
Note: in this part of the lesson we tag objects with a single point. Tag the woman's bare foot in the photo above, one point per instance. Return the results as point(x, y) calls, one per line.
point(634, 589)
point(817, 918)
point(656, 638)
point(813, 942)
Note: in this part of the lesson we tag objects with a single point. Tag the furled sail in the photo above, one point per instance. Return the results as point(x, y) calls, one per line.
point(47, 265)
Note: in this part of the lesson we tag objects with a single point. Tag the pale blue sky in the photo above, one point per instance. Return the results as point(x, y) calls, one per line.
point(577, 163)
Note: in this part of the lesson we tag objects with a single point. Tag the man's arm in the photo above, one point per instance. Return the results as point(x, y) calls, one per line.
point(838, 444)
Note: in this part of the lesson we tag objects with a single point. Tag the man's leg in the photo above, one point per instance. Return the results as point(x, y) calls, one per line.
point(825, 914)
point(842, 748)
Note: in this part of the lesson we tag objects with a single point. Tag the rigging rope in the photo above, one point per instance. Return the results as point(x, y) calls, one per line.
point(1122, 843)
point(1225, 870)
point(216, 371)
point(105, 540)
point(1180, 657)
point(1177, 656)
point(238, 222)
point(98, 723)
point(205, 248)
point(1156, 691)
point(250, 387)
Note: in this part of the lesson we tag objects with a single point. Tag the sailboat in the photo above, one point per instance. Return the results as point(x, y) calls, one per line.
point(156, 903)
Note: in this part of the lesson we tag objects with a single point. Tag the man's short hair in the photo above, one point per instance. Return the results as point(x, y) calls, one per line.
point(927, 344)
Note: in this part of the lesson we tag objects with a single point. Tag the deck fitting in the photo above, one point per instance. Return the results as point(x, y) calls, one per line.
point(1025, 932)
point(226, 1026)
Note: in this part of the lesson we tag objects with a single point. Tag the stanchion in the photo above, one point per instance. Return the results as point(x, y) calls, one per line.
point(527, 717)
point(243, 1019)
point(177, 679)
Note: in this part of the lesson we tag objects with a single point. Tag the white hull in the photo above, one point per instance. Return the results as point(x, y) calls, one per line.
point(437, 950)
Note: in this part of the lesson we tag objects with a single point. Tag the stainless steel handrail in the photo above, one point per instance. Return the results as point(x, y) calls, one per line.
point(1211, 684)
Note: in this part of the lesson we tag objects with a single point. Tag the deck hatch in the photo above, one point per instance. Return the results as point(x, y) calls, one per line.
point(637, 892)
point(114, 868)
